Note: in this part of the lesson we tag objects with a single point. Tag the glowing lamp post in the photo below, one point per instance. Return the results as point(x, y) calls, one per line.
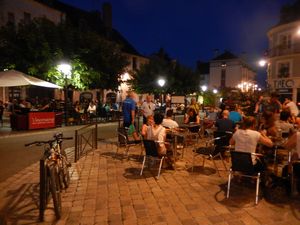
point(262, 62)
point(65, 70)
point(161, 83)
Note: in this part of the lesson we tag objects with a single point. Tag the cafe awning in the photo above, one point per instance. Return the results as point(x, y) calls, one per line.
point(12, 78)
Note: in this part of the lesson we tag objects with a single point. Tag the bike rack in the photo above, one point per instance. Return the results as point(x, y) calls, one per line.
point(44, 189)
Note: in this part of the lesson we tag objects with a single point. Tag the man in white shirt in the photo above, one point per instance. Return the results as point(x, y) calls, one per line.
point(148, 108)
point(168, 121)
point(289, 104)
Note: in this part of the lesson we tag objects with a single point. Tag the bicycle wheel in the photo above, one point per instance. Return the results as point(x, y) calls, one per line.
point(64, 172)
point(55, 190)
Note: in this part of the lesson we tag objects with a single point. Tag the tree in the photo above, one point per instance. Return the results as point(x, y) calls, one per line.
point(37, 47)
point(105, 58)
point(180, 80)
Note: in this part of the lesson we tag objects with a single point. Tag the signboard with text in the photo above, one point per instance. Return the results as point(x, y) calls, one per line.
point(39, 120)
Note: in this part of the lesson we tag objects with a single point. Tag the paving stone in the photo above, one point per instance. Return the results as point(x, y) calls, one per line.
point(105, 190)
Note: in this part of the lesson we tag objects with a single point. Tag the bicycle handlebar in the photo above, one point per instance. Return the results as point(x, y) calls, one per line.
point(49, 141)
point(39, 143)
point(66, 138)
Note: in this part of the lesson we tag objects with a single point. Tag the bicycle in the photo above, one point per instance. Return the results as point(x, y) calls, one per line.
point(56, 177)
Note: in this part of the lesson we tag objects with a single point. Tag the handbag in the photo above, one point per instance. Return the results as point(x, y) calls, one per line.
point(131, 129)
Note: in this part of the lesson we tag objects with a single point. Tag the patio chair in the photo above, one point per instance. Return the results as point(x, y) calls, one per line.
point(242, 165)
point(151, 153)
point(210, 151)
point(193, 135)
point(124, 141)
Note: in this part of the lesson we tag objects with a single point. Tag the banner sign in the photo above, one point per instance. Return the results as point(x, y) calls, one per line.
point(39, 120)
point(177, 99)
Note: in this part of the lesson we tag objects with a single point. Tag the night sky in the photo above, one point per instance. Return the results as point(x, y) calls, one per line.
point(190, 30)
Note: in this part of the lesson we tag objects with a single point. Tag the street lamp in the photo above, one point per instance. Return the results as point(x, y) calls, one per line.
point(262, 62)
point(203, 88)
point(161, 82)
point(65, 70)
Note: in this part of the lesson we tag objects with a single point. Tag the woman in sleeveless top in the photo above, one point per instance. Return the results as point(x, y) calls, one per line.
point(158, 133)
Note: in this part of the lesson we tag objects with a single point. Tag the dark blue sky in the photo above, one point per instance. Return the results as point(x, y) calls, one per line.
point(190, 30)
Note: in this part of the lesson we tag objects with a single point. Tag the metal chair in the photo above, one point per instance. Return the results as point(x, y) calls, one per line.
point(151, 153)
point(242, 165)
point(124, 141)
point(210, 151)
point(193, 135)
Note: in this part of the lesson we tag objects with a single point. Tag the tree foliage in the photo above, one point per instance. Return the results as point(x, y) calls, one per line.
point(180, 80)
point(37, 47)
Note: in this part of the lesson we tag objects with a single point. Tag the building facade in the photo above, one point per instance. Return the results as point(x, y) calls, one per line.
point(229, 71)
point(16, 11)
point(283, 71)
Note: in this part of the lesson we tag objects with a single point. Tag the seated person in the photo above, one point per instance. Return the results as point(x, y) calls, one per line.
point(157, 132)
point(202, 113)
point(235, 116)
point(246, 139)
point(168, 120)
point(225, 124)
point(211, 118)
point(268, 125)
point(150, 122)
point(192, 117)
point(283, 124)
point(294, 143)
point(92, 109)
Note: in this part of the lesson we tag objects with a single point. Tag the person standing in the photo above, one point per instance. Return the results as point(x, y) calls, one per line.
point(128, 109)
point(291, 106)
point(194, 105)
point(148, 108)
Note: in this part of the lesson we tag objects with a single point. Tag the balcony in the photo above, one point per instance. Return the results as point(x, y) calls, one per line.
point(281, 50)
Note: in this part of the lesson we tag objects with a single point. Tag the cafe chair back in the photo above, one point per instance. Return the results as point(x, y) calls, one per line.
point(151, 153)
point(123, 141)
point(193, 134)
point(222, 143)
point(242, 165)
point(210, 151)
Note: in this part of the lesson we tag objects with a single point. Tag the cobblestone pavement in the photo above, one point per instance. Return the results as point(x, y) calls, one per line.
point(107, 189)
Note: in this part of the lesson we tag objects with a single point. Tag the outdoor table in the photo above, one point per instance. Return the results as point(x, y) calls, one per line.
point(192, 127)
point(174, 135)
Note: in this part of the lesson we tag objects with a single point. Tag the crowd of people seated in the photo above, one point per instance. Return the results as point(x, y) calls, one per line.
point(260, 127)
point(77, 112)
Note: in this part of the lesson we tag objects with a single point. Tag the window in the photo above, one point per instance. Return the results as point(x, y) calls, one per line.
point(283, 70)
point(27, 18)
point(10, 18)
point(223, 78)
point(285, 41)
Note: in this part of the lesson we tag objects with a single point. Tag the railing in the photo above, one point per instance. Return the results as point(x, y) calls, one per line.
point(85, 140)
point(284, 50)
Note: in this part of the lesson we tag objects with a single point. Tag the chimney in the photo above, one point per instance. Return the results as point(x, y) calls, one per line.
point(107, 15)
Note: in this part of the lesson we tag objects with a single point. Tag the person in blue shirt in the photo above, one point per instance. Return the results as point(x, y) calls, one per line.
point(235, 116)
point(128, 109)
